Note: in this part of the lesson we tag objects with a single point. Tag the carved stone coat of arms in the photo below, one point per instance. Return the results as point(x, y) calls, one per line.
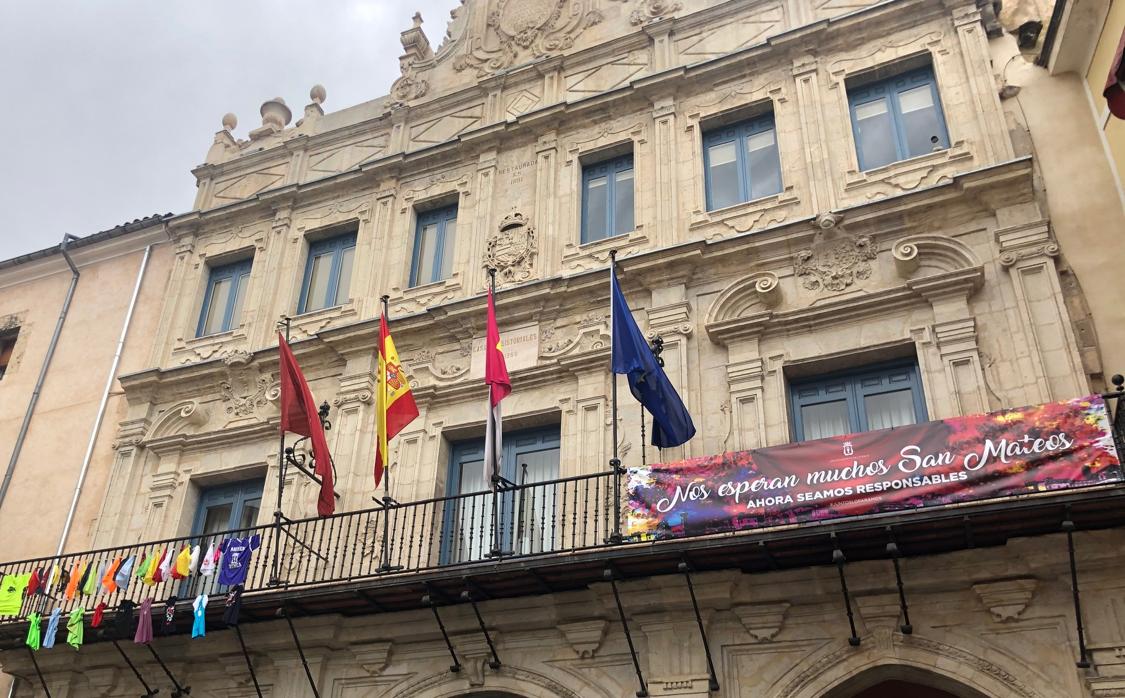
point(511, 249)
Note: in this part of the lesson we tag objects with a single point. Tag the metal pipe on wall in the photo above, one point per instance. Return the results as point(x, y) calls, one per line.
point(18, 446)
point(104, 401)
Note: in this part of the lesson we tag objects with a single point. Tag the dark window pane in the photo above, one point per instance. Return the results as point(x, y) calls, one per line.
point(449, 243)
point(722, 161)
point(875, 136)
point(886, 410)
point(824, 420)
point(623, 202)
point(217, 518)
point(343, 285)
point(217, 306)
point(765, 168)
point(427, 249)
point(920, 121)
point(250, 509)
point(596, 208)
point(320, 272)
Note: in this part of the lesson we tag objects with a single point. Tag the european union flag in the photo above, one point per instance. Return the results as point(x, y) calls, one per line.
point(647, 381)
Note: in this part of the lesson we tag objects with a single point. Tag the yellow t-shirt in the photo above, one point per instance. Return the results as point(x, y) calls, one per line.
point(183, 562)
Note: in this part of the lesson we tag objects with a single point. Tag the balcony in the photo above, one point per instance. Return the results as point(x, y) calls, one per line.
point(552, 536)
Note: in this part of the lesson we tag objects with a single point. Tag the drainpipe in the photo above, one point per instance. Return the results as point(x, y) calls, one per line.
point(43, 370)
point(104, 402)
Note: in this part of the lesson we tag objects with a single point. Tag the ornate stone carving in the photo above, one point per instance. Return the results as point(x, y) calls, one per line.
point(416, 48)
point(648, 10)
point(372, 657)
point(585, 637)
point(511, 248)
point(762, 620)
point(835, 260)
point(1009, 258)
point(531, 27)
point(1006, 599)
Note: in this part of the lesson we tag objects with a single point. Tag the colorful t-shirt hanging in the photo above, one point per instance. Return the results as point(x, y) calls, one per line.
point(74, 629)
point(121, 579)
point(182, 568)
point(108, 582)
point(233, 605)
point(33, 631)
point(193, 563)
point(236, 558)
point(99, 610)
point(34, 583)
point(207, 567)
point(123, 619)
point(168, 627)
point(52, 629)
point(75, 579)
point(166, 565)
point(199, 610)
point(90, 583)
point(143, 635)
point(156, 572)
point(11, 593)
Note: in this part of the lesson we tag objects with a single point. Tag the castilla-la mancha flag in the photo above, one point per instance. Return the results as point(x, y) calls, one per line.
point(499, 387)
point(395, 405)
point(299, 416)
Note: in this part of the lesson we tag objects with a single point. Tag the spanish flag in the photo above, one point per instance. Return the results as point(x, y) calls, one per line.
point(395, 407)
point(499, 387)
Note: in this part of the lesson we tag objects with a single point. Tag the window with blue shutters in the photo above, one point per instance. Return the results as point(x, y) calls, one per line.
point(228, 507)
point(876, 397)
point(223, 300)
point(328, 273)
point(741, 162)
point(435, 236)
point(897, 118)
point(607, 199)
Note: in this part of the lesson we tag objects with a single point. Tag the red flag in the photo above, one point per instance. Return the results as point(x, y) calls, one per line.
point(299, 416)
point(395, 406)
point(499, 387)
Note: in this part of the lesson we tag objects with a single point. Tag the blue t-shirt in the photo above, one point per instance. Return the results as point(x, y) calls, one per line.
point(236, 559)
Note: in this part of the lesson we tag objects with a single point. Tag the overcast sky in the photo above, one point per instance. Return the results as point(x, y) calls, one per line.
point(110, 103)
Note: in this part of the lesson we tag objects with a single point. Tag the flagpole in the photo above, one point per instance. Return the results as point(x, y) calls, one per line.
point(275, 578)
point(614, 462)
point(387, 501)
point(494, 466)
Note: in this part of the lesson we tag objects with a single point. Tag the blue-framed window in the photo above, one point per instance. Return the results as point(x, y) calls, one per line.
point(527, 516)
point(222, 303)
point(228, 507)
point(435, 236)
point(328, 273)
point(741, 162)
point(876, 397)
point(607, 198)
point(897, 118)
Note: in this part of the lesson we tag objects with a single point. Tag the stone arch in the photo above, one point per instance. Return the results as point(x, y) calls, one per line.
point(875, 675)
point(931, 254)
point(962, 667)
point(752, 293)
point(507, 682)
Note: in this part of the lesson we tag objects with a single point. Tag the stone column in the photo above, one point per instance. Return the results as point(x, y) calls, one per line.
point(994, 143)
point(667, 201)
point(818, 163)
point(546, 203)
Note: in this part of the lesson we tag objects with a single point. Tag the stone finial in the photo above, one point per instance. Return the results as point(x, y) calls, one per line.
point(318, 94)
point(230, 121)
point(417, 19)
point(275, 113)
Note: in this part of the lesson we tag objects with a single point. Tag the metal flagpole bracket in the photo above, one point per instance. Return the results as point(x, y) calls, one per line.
point(893, 551)
point(712, 678)
point(149, 691)
point(493, 663)
point(610, 575)
point(428, 600)
point(839, 560)
point(249, 664)
point(180, 691)
point(1068, 526)
point(300, 650)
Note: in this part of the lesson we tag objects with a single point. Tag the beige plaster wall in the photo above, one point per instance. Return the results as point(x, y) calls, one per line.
point(46, 474)
point(1079, 189)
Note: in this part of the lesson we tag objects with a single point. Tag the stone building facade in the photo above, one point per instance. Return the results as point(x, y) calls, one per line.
point(943, 261)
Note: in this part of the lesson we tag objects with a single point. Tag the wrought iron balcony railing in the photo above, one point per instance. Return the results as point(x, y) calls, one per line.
point(556, 519)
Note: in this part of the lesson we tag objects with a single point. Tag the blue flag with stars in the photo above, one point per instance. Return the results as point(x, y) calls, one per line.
point(632, 356)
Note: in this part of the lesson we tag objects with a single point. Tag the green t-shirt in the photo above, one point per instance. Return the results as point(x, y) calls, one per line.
point(11, 593)
point(74, 627)
point(33, 631)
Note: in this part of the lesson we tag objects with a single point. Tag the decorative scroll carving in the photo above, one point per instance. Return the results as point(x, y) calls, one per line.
point(1006, 599)
point(758, 291)
point(649, 10)
point(179, 418)
point(944, 253)
point(590, 333)
point(511, 248)
point(1009, 258)
point(762, 620)
point(532, 27)
point(585, 637)
point(835, 260)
